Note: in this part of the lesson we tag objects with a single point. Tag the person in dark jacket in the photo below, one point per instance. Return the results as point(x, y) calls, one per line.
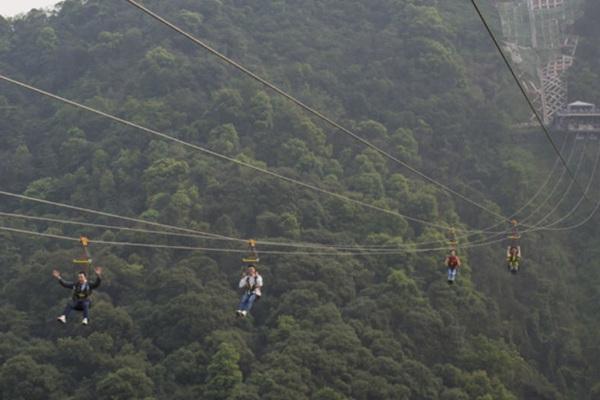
point(82, 290)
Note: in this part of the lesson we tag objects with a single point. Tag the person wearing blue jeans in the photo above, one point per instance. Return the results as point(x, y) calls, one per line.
point(82, 290)
point(453, 263)
point(252, 283)
point(452, 274)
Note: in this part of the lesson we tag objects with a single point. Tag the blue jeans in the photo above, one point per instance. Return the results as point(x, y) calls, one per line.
point(81, 305)
point(452, 273)
point(247, 301)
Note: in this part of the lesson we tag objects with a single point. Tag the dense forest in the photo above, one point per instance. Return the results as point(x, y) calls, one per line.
point(419, 78)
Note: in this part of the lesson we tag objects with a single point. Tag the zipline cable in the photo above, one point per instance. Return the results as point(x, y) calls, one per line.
point(309, 109)
point(208, 235)
point(524, 93)
point(413, 247)
point(538, 224)
point(115, 227)
point(225, 250)
point(533, 197)
point(579, 224)
point(567, 215)
point(191, 233)
point(196, 236)
point(168, 228)
point(565, 192)
point(104, 214)
point(554, 188)
point(542, 186)
point(489, 230)
point(350, 250)
point(131, 124)
point(222, 156)
point(161, 246)
point(199, 234)
point(217, 236)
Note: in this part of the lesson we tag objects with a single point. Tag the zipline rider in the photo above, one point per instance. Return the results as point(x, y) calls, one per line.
point(252, 284)
point(82, 290)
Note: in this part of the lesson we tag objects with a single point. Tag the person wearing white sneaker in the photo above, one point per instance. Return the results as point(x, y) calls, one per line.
point(82, 290)
point(252, 284)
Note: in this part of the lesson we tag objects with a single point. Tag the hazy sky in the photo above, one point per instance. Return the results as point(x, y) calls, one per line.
point(9, 8)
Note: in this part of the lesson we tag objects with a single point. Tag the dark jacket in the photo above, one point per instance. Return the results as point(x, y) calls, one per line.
point(80, 291)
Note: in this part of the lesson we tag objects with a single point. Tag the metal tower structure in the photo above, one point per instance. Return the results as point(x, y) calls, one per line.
point(537, 34)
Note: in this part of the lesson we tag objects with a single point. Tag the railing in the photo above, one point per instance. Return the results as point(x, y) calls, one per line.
point(591, 110)
point(546, 4)
point(583, 128)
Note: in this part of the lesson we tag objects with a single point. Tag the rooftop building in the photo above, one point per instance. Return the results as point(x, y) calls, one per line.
point(579, 118)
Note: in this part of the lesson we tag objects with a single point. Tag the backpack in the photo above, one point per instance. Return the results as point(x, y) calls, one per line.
point(452, 261)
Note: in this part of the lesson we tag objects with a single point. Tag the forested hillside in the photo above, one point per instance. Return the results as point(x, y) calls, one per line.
point(417, 78)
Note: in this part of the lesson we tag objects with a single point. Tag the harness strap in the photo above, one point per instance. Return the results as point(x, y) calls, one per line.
point(251, 288)
point(83, 292)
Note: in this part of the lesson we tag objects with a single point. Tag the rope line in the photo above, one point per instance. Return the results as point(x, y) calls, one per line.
point(309, 109)
point(200, 236)
point(524, 93)
point(225, 250)
point(565, 192)
point(222, 156)
point(553, 189)
point(222, 250)
point(531, 199)
point(204, 235)
point(323, 117)
point(543, 186)
point(191, 232)
point(105, 214)
point(589, 186)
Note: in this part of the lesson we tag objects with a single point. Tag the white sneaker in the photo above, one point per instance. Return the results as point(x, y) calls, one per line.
point(244, 313)
point(62, 319)
point(84, 321)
